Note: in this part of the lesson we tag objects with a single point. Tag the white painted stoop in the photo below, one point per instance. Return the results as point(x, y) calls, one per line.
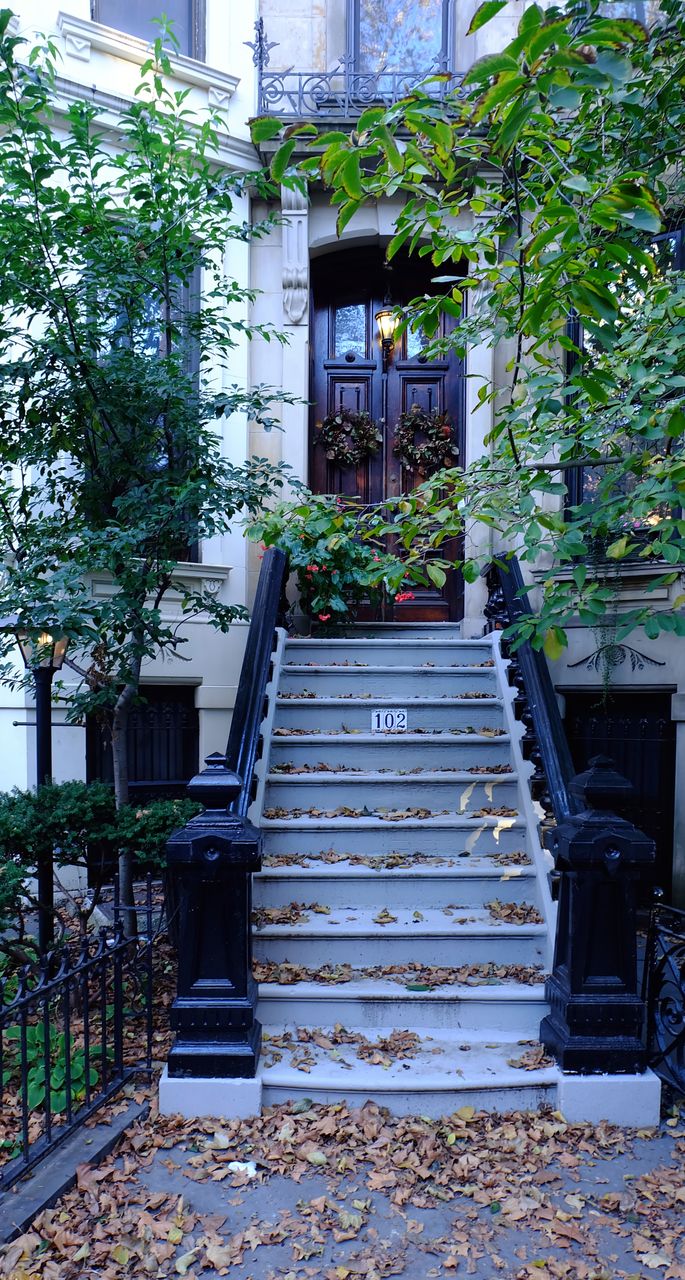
point(429, 877)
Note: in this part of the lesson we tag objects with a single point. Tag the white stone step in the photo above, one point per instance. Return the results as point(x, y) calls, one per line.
point(456, 792)
point(385, 651)
point(385, 750)
point(465, 935)
point(450, 835)
point(378, 909)
point(317, 713)
point(341, 883)
point(394, 682)
point(401, 630)
point(440, 1079)
point(506, 1010)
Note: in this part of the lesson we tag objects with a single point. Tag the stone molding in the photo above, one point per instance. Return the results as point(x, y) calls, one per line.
point(81, 36)
point(295, 256)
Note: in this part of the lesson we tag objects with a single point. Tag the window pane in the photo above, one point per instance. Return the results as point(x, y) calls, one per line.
point(137, 19)
point(350, 330)
point(400, 35)
point(416, 341)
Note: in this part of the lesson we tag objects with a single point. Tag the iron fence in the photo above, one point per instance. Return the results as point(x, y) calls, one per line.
point(74, 1029)
point(665, 992)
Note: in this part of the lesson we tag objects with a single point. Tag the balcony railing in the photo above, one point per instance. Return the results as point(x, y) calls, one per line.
point(340, 94)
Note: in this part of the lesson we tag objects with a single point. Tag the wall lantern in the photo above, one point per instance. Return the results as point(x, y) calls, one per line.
point(43, 651)
point(387, 322)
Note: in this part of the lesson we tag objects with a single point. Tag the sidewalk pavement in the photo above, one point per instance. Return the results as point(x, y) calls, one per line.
point(328, 1191)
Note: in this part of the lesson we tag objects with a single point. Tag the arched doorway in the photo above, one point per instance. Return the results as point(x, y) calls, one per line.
point(348, 288)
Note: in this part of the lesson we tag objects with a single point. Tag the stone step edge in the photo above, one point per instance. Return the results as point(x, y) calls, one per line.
point(367, 931)
point(363, 989)
point(378, 700)
point(461, 870)
point(376, 777)
point(347, 738)
point(329, 668)
point(342, 642)
point(367, 1080)
point(448, 822)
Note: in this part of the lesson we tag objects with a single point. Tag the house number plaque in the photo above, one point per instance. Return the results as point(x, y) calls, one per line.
point(390, 720)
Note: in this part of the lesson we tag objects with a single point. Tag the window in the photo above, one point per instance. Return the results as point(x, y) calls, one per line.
point(668, 249)
point(406, 36)
point(163, 744)
point(137, 19)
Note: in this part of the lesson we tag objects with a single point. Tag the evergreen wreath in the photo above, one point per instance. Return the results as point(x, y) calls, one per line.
point(439, 449)
point(349, 438)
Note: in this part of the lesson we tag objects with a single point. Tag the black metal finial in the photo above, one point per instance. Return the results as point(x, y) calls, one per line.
point(260, 46)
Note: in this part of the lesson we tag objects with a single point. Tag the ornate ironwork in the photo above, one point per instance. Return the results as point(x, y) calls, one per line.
point(665, 984)
point(74, 1029)
point(338, 94)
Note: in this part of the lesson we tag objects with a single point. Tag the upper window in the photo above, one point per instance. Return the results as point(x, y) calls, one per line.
point(583, 483)
point(137, 19)
point(405, 36)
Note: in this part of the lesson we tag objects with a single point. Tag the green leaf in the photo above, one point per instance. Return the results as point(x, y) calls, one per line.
point(676, 423)
point(350, 175)
point(484, 13)
point(370, 118)
point(281, 160)
point(263, 128)
point(618, 549)
point(614, 66)
point(555, 642)
point(437, 575)
point(492, 65)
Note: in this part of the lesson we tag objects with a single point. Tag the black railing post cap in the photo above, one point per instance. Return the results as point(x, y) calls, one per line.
point(601, 786)
point(216, 786)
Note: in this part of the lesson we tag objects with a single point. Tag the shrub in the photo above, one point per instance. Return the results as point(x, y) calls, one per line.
point(336, 568)
point(145, 830)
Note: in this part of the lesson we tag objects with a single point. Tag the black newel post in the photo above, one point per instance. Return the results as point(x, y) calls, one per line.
point(210, 864)
point(597, 1015)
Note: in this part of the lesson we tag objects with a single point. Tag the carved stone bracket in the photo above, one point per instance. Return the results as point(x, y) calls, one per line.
point(295, 256)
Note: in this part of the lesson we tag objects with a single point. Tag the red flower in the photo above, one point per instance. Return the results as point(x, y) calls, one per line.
point(323, 617)
point(404, 595)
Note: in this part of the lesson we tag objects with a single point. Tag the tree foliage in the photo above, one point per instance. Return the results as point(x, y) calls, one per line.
point(121, 315)
point(537, 189)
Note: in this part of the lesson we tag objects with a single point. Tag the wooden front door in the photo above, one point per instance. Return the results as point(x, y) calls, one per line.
point(347, 371)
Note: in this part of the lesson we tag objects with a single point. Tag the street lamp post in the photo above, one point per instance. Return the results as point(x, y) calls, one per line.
point(43, 651)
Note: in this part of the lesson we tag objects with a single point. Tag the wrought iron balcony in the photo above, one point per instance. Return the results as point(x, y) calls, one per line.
point(340, 94)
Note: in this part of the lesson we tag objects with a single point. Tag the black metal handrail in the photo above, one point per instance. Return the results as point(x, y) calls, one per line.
point(243, 739)
point(508, 604)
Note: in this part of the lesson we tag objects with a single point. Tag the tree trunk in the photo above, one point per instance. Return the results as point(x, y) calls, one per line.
point(120, 763)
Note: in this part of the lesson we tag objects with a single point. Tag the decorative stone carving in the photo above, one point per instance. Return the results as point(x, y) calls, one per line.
point(295, 256)
point(614, 655)
point(77, 47)
point(219, 97)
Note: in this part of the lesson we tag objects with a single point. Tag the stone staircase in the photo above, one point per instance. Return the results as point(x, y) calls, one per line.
point(402, 919)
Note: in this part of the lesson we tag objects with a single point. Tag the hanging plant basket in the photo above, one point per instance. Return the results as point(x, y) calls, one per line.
point(436, 446)
point(349, 438)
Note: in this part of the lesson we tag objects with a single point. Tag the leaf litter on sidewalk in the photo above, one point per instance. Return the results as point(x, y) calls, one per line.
point(493, 1179)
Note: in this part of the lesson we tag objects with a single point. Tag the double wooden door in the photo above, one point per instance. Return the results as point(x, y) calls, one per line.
point(348, 288)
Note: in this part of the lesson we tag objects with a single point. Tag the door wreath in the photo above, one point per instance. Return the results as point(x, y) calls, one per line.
point(439, 447)
point(349, 438)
